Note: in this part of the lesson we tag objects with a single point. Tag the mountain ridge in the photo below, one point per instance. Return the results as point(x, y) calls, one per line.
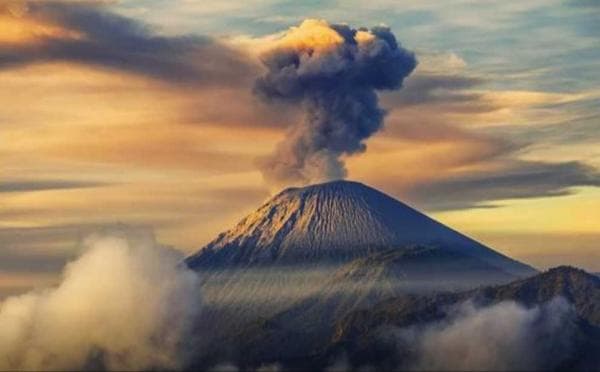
point(579, 288)
point(360, 335)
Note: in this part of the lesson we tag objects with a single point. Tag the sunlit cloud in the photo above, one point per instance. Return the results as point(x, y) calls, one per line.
point(93, 35)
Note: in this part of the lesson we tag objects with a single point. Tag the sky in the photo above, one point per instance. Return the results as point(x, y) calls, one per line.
point(145, 113)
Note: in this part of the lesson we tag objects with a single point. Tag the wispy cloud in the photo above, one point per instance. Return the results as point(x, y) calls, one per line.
point(521, 179)
point(91, 34)
point(41, 185)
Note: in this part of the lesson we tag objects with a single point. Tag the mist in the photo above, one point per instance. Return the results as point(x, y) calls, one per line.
point(126, 303)
point(505, 336)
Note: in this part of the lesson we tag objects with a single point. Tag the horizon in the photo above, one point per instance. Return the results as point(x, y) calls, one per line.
point(169, 116)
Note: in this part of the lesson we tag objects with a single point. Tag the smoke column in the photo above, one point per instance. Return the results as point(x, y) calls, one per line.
point(333, 72)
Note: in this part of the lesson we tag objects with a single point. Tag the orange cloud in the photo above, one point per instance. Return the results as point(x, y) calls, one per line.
point(18, 28)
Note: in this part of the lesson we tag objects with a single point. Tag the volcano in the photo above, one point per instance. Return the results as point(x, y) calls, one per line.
point(319, 271)
point(338, 222)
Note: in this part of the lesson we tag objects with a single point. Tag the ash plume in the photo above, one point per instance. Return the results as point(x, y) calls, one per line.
point(334, 73)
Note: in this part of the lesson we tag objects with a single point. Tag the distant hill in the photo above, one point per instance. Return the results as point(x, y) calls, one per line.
point(347, 319)
point(358, 332)
point(575, 285)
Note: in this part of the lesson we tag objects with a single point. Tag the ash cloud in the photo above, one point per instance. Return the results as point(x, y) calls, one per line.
point(125, 304)
point(504, 336)
point(334, 73)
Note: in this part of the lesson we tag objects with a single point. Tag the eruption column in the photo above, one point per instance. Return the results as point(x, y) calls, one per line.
point(333, 72)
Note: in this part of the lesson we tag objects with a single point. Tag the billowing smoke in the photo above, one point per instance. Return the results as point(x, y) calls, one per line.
point(506, 336)
point(124, 304)
point(333, 71)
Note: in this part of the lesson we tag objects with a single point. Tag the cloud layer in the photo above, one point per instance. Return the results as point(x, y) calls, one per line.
point(514, 180)
point(39, 185)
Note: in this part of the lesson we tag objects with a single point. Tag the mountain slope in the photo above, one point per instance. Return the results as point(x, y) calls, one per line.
point(359, 334)
point(423, 266)
point(575, 285)
point(307, 326)
point(336, 222)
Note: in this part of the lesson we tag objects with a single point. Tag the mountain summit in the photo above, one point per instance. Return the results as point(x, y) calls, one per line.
point(336, 222)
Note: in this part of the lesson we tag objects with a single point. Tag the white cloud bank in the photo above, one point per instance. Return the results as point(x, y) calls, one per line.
point(505, 336)
point(124, 304)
